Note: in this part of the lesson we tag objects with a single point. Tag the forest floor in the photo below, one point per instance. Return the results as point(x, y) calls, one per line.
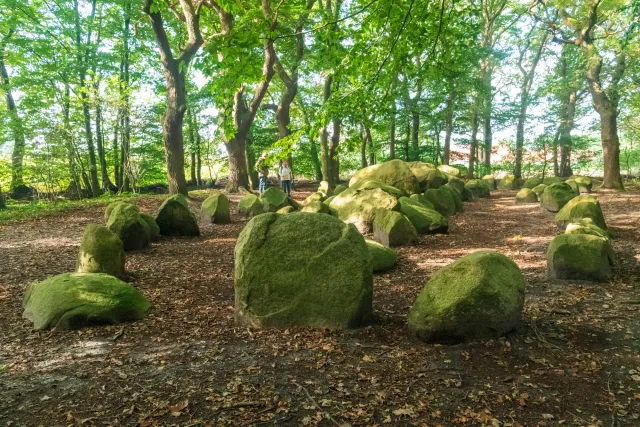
point(575, 360)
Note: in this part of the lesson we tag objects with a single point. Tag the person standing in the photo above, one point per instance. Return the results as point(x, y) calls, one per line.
point(285, 177)
point(263, 171)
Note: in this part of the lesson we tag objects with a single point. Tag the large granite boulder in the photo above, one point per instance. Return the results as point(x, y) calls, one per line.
point(215, 209)
point(586, 226)
point(490, 180)
point(250, 205)
point(383, 258)
point(359, 207)
point(327, 281)
point(425, 220)
point(273, 199)
point(339, 189)
point(442, 201)
point(325, 189)
point(436, 179)
point(539, 189)
point(395, 173)
point(125, 221)
point(478, 296)
point(393, 228)
point(75, 300)
point(526, 195)
point(580, 257)
point(316, 207)
point(581, 207)
point(552, 180)
point(421, 170)
point(175, 219)
point(555, 196)
point(457, 197)
point(508, 183)
point(478, 188)
point(449, 170)
point(457, 184)
point(101, 251)
point(370, 184)
point(154, 229)
point(531, 183)
point(581, 185)
point(422, 200)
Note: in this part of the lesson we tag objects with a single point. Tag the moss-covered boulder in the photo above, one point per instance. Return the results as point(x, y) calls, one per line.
point(436, 179)
point(359, 207)
point(425, 220)
point(369, 184)
point(101, 251)
point(457, 184)
point(478, 296)
point(395, 173)
point(154, 229)
point(490, 182)
point(552, 180)
point(457, 199)
point(313, 197)
point(324, 189)
point(215, 209)
point(111, 206)
point(175, 219)
point(316, 207)
point(328, 200)
point(531, 183)
point(421, 170)
point(526, 195)
point(580, 257)
point(442, 201)
point(539, 189)
point(75, 300)
point(327, 281)
point(581, 207)
point(339, 189)
point(250, 205)
point(586, 226)
point(478, 188)
point(555, 196)
point(581, 185)
point(273, 199)
point(508, 183)
point(125, 221)
point(449, 170)
point(466, 195)
point(383, 258)
point(392, 229)
point(422, 200)
point(286, 210)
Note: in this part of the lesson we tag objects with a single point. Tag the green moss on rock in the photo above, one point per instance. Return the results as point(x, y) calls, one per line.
point(314, 197)
point(555, 196)
point(455, 195)
point(539, 189)
point(422, 200)
point(552, 180)
point(581, 185)
point(327, 280)
point(154, 230)
point(215, 209)
point(478, 296)
point(111, 206)
point(273, 199)
point(531, 183)
point(286, 210)
point(359, 207)
point(479, 189)
point(425, 220)
point(369, 184)
point(75, 300)
point(382, 257)
point(442, 201)
point(508, 183)
point(324, 189)
point(457, 184)
point(250, 205)
point(449, 170)
point(526, 195)
point(436, 179)
point(580, 257)
point(125, 221)
point(490, 182)
point(395, 173)
point(316, 207)
point(392, 229)
point(581, 207)
point(421, 171)
point(101, 251)
point(339, 189)
point(586, 226)
point(175, 219)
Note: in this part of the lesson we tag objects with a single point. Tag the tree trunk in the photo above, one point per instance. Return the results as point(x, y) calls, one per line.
point(238, 176)
point(415, 129)
point(198, 151)
point(104, 173)
point(610, 150)
point(254, 180)
point(556, 166)
point(317, 165)
point(125, 180)
point(488, 107)
point(325, 150)
point(524, 101)
point(446, 155)
point(116, 154)
point(363, 148)
point(474, 137)
point(392, 139)
point(565, 135)
point(17, 156)
point(172, 131)
point(333, 154)
point(3, 203)
point(407, 139)
point(372, 154)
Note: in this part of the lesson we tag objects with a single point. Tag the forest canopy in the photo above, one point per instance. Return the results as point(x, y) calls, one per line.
point(116, 95)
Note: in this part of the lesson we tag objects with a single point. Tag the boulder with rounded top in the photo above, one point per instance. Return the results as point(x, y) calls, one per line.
point(392, 229)
point(101, 251)
point(526, 195)
point(359, 207)
point(395, 173)
point(175, 219)
point(126, 223)
point(215, 209)
point(555, 196)
point(250, 205)
point(508, 183)
point(442, 201)
point(478, 188)
point(425, 220)
point(580, 257)
point(383, 258)
point(273, 198)
point(581, 207)
point(531, 183)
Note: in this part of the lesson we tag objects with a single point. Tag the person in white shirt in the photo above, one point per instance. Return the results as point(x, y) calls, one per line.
point(285, 177)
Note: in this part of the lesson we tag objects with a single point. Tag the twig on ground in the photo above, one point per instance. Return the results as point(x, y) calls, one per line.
point(313, 401)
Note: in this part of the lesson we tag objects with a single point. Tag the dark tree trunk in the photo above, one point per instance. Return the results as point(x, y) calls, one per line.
point(198, 151)
point(125, 176)
point(254, 180)
point(238, 176)
point(372, 154)
point(3, 203)
point(565, 135)
point(448, 121)
point(415, 130)
point(363, 148)
point(488, 107)
point(392, 138)
point(474, 138)
point(317, 164)
point(407, 139)
point(333, 154)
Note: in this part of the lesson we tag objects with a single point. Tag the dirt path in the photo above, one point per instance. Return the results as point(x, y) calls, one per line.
point(574, 361)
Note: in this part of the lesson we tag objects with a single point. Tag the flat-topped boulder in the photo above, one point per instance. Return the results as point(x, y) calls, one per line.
point(250, 205)
point(327, 282)
point(478, 296)
point(101, 251)
point(273, 198)
point(395, 173)
point(392, 229)
point(580, 257)
point(478, 188)
point(555, 196)
point(425, 220)
point(449, 170)
point(215, 209)
point(75, 300)
point(175, 219)
point(359, 207)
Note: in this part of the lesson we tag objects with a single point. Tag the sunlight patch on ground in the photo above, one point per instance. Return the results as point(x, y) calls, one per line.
point(526, 207)
point(42, 243)
point(222, 240)
point(81, 352)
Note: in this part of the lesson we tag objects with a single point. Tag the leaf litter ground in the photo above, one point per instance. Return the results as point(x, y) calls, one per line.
point(575, 360)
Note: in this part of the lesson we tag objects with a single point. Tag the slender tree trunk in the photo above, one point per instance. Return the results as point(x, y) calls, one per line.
point(392, 138)
point(254, 180)
point(3, 203)
point(565, 134)
point(415, 130)
point(17, 156)
point(407, 138)
point(446, 155)
point(372, 154)
point(198, 151)
point(172, 130)
point(556, 167)
point(474, 137)
point(333, 154)
point(488, 107)
point(116, 154)
point(363, 148)
point(106, 182)
point(524, 101)
point(324, 135)
point(315, 160)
